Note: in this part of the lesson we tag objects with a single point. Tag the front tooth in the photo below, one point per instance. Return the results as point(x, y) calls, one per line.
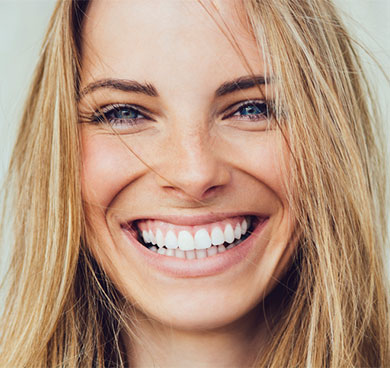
point(171, 240)
point(202, 239)
point(145, 236)
point(217, 237)
point(152, 238)
point(244, 226)
point(159, 238)
point(229, 234)
point(237, 231)
point(185, 241)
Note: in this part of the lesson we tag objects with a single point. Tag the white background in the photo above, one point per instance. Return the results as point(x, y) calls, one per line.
point(22, 25)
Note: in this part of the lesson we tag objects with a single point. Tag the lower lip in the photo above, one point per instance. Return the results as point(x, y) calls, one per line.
point(209, 266)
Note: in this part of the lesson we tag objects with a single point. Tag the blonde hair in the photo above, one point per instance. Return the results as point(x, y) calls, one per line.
point(61, 310)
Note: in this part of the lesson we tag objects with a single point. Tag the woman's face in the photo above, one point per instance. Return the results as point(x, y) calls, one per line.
point(195, 165)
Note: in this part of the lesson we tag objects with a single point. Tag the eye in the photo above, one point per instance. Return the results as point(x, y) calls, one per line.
point(120, 115)
point(251, 110)
point(249, 115)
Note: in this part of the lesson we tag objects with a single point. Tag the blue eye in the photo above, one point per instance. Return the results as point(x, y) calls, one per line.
point(119, 115)
point(123, 113)
point(253, 111)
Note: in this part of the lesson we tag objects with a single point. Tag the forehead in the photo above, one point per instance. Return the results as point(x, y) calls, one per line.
point(152, 39)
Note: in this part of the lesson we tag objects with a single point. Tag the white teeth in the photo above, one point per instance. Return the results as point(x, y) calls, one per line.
point(229, 234)
point(201, 245)
point(159, 238)
point(186, 241)
point(202, 239)
point(170, 252)
point(170, 240)
point(161, 251)
point(237, 231)
point(180, 253)
point(190, 254)
point(244, 227)
point(212, 251)
point(221, 249)
point(145, 236)
point(217, 237)
point(152, 238)
point(201, 253)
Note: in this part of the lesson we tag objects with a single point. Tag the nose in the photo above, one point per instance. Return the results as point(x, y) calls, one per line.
point(191, 169)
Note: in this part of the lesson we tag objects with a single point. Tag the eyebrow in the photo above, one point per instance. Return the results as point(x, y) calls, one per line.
point(122, 85)
point(241, 84)
point(148, 89)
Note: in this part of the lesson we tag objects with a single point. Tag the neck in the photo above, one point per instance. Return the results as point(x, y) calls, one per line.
point(157, 345)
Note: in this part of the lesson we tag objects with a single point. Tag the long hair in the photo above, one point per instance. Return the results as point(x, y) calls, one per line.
point(63, 311)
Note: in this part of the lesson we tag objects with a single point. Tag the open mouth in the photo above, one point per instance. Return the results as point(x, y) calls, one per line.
point(193, 242)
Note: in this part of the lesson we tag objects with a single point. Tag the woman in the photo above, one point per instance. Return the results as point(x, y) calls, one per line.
point(197, 183)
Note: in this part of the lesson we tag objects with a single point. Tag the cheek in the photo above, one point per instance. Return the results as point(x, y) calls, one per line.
point(262, 158)
point(107, 167)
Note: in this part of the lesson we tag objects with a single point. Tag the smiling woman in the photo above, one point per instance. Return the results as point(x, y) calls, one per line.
point(197, 183)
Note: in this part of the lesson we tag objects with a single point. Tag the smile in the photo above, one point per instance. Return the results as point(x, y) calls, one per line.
point(193, 242)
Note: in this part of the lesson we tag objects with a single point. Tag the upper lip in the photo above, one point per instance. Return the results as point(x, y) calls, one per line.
point(194, 220)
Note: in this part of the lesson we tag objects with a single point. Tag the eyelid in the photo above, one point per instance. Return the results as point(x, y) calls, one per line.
point(107, 108)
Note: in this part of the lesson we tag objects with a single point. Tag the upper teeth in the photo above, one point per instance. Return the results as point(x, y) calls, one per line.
point(203, 238)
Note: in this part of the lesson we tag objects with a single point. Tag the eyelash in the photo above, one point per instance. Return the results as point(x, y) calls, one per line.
point(102, 115)
point(265, 109)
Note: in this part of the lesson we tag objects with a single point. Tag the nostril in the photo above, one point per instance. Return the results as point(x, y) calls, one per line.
point(192, 193)
point(211, 190)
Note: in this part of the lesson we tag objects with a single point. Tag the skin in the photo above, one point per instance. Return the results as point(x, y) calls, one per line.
point(188, 159)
